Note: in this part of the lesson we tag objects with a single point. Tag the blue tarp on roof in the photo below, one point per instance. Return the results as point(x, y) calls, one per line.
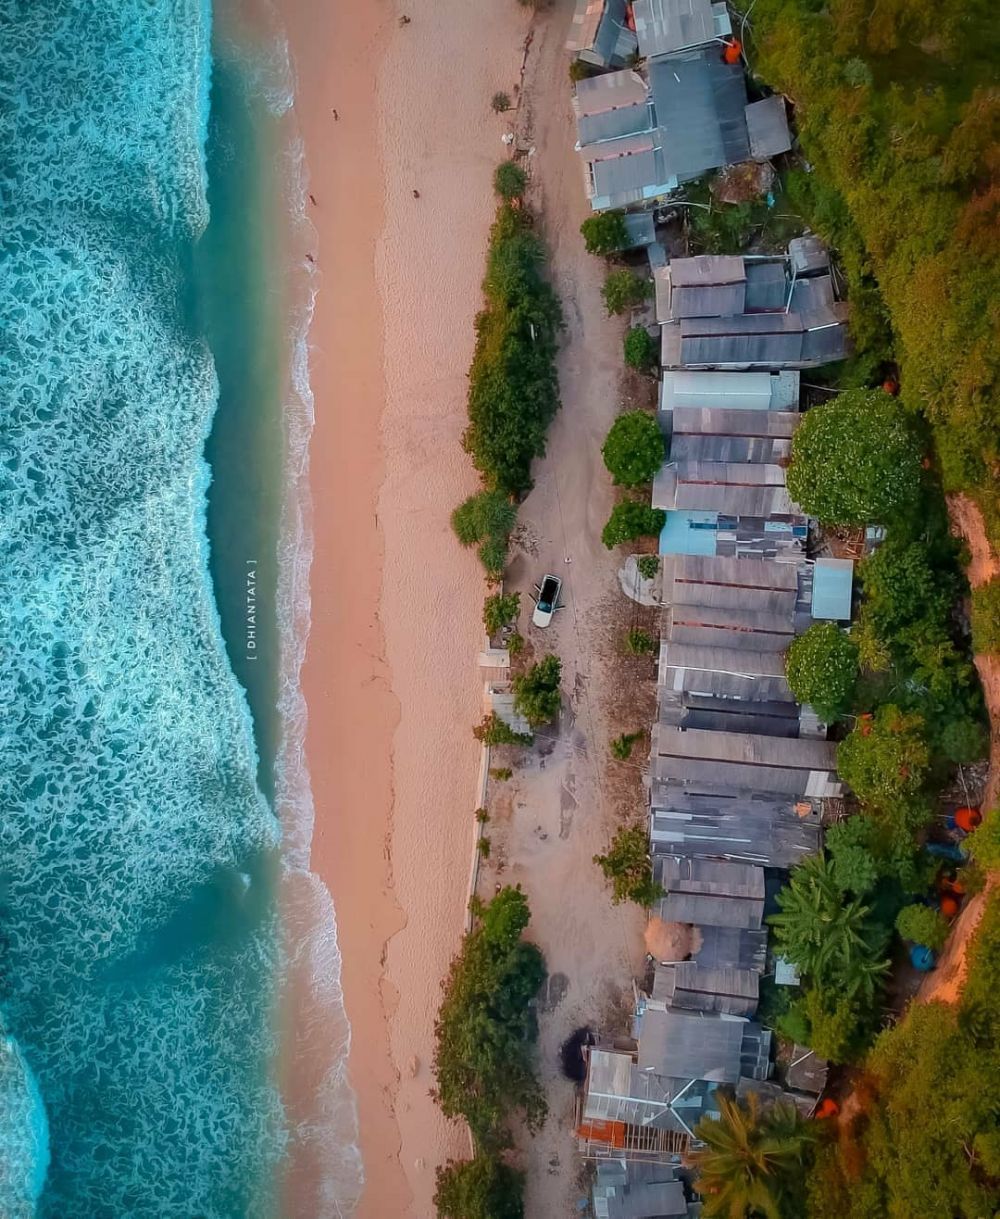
point(689, 532)
point(833, 582)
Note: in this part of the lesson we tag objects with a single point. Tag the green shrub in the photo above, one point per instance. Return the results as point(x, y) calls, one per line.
point(513, 384)
point(621, 746)
point(493, 556)
point(639, 642)
point(515, 644)
point(536, 693)
point(986, 616)
point(483, 515)
point(580, 70)
point(509, 180)
point(482, 815)
point(885, 758)
point(633, 450)
point(500, 102)
point(622, 290)
point(484, 1059)
point(483, 846)
point(822, 669)
point(630, 520)
point(627, 865)
point(983, 844)
point(855, 460)
point(483, 1188)
point(640, 349)
point(495, 731)
point(605, 233)
point(922, 925)
point(501, 773)
point(649, 566)
point(499, 610)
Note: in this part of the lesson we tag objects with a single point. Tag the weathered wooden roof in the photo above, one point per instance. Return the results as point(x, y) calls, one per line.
point(742, 760)
point(719, 421)
point(710, 893)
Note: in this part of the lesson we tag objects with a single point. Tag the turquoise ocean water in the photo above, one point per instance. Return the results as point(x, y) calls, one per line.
point(139, 849)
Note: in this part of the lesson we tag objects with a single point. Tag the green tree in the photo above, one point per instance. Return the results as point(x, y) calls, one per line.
point(623, 289)
point(633, 450)
point(986, 616)
point(495, 731)
point(627, 865)
point(855, 460)
point(509, 180)
point(822, 669)
point(902, 588)
point(836, 1025)
point(983, 844)
point(485, 1033)
point(605, 233)
point(483, 1188)
point(852, 863)
point(499, 610)
point(753, 1163)
point(922, 925)
point(885, 758)
point(833, 940)
point(630, 520)
point(536, 692)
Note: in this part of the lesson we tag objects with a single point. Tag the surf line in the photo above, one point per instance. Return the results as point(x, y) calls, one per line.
point(251, 608)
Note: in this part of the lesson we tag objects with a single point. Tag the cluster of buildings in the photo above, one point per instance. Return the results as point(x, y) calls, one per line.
point(669, 102)
point(739, 773)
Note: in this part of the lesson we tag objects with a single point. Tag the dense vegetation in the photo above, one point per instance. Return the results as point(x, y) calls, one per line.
point(623, 290)
point(640, 349)
point(899, 116)
point(605, 233)
point(484, 1056)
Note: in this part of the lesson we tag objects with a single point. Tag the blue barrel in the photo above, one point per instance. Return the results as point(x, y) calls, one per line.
point(922, 958)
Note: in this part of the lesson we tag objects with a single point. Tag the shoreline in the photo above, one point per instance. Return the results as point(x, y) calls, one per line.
point(390, 663)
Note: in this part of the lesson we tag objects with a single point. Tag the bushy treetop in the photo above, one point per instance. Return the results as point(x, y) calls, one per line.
point(822, 669)
point(885, 758)
point(633, 451)
point(855, 460)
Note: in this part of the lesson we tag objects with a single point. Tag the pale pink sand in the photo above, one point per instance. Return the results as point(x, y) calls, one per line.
point(390, 674)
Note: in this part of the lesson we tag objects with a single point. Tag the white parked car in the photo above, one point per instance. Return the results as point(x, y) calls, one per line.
point(547, 600)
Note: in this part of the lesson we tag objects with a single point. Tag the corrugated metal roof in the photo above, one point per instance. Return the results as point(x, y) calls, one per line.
point(755, 391)
point(689, 1045)
point(767, 126)
point(767, 286)
point(833, 582)
point(807, 254)
point(707, 269)
point(614, 125)
point(700, 103)
point(666, 26)
point(749, 750)
point(714, 422)
point(637, 1191)
point(609, 90)
point(640, 229)
point(691, 987)
point(706, 448)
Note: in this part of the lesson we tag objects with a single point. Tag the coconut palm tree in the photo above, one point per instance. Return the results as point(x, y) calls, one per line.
point(752, 1162)
point(829, 937)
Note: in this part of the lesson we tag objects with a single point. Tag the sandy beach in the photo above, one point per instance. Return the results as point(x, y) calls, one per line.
point(390, 676)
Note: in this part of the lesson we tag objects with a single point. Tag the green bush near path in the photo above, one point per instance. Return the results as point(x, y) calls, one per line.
point(499, 610)
point(641, 349)
point(536, 693)
point(485, 1033)
point(922, 925)
point(639, 642)
point(483, 1188)
point(605, 233)
point(509, 180)
point(623, 290)
point(630, 520)
point(495, 731)
point(634, 449)
point(513, 385)
point(629, 869)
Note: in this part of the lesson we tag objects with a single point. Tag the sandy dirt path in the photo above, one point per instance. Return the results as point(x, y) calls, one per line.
point(564, 801)
point(945, 983)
